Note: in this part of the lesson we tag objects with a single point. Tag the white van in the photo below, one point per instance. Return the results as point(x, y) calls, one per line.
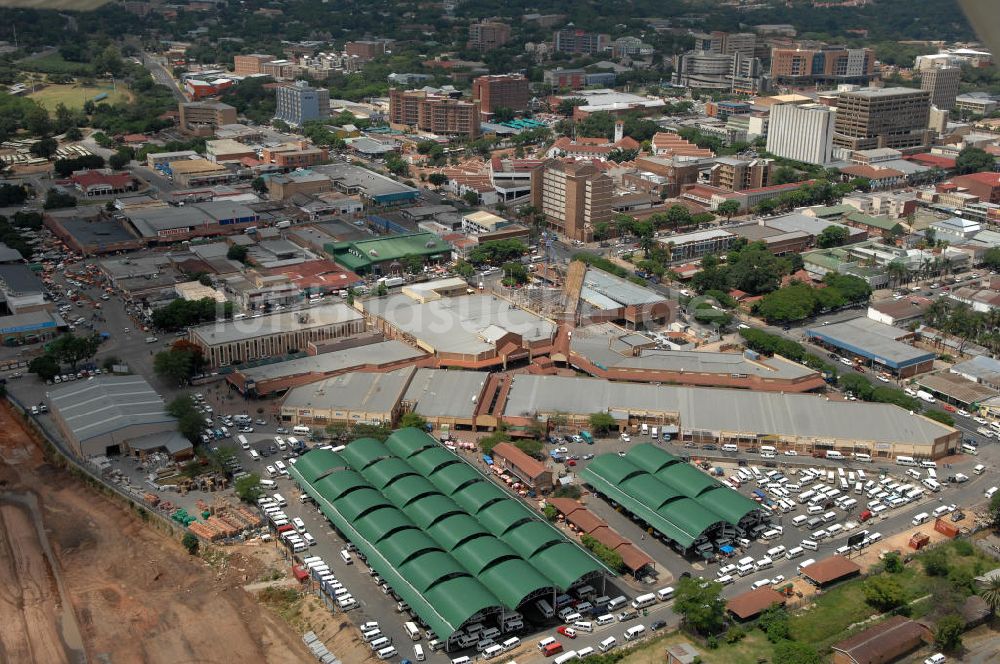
point(617, 602)
point(794, 552)
point(799, 520)
point(809, 544)
point(418, 652)
point(730, 447)
point(465, 660)
point(654, 433)
point(862, 458)
point(905, 461)
point(979, 469)
point(492, 651)
point(764, 563)
point(642, 601)
point(770, 535)
point(268, 485)
point(834, 454)
point(932, 485)
point(663, 594)
point(776, 552)
point(970, 449)
point(804, 564)
point(301, 430)
point(547, 641)
point(346, 557)
point(509, 644)
point(607, 644)
point(583, 626)
point(768, 449)
point(636, 632)
point(544, 608)
point(254, 455)
point(411, 630)
point(386, 653)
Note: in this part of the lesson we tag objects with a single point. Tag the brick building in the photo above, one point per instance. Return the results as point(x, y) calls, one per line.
point(433, 113)
point(579, 41)
point(501, 91)
point(488, 35)
point(365, 50)
point(574, 197)
point(202, 118)
point(251, 64)
point(827, 64)
point(882, 118)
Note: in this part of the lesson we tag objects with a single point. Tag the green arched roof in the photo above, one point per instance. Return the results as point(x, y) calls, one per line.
point(513, 580)
point(687, 479)
point(339, 483)
point(453, 530)
point(475, 497)
point(651, 458)
point(430, 568)
point(358, 503)
point(458, 599)
point(429, 510)
point(405, 490)
point(455, 477)
point(406, 545)
point(655, 494)
point(378, 525)
point(564, 564)
point(690, 515)
point(386, 471)
point(730, 505)
point(406, 442)
point(433, 460)
point(530, 538)
point(613, 467)
point(316, 465)
point(500, 517)
point(363, 452)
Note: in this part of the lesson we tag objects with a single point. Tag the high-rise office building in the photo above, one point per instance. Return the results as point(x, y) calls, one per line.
point(436, 114)
point(298, 103)
point(726, 43)
point(247, 65)
point(488, 35)
point(579, 41)
point(882, 118)
point(573, 196)
point(202, 118)
point(943, 85)
point(802, 132)
point(833, 64)
point(501, 91)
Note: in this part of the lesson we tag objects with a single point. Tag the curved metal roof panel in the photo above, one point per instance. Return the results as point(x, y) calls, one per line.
point(407, 545)
point(730, 505)
point(456, 529)
point(318, 464)
point(363, 452)
point(479, 553)
point(453, 478)
point(650, 491)
point(339, 483)
point(614, 468)
point(407, 442)
point(377, 525)
point(651, 458)
point(502, 516)
point(460, 598)
point(430, 568)
point(475, 497)
point(530, 538)
point(432, 460)
point(687, 479)
point(690, 515)
point(565, 564)
point(358, 503)
point(428, 510)
point(406, 489)
point(383, 473)
point(514, 580)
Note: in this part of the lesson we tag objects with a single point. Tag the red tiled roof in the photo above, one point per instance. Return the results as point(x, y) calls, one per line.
point(831, 569)
point(870, 172)
point(776, 187)
point(750, 604)
point(531, 466)
point(92, 178)
point(883, 642)
point(989, 179)
point(928, 159)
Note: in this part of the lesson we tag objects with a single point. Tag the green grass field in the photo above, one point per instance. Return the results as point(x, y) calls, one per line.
point(74, 95)
point(61, 5)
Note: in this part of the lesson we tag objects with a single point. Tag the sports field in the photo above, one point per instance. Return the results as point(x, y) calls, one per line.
point(74, 95)
point(62, 5)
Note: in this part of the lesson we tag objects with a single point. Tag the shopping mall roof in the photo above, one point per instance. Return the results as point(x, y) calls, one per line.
point(444, 393)
point(283, 322)
point(665, 492)
point(376, 354)
point(619, 291)
point(105, 404)
point(447, 555)
point(722, 410)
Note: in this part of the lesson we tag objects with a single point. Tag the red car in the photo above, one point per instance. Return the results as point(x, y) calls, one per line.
point(949, 408)
point(864, 516)
point(568, 632)
point(571, 462)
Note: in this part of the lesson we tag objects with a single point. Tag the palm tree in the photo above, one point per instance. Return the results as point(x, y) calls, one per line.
point(897, 272)
point(991, 593)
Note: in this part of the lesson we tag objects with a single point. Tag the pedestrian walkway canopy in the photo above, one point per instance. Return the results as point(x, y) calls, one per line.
point(450, 542)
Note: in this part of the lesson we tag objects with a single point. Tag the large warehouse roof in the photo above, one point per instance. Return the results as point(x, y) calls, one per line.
point(873, 340)
point(283, 322)
point(666, 493)
point(426, 525)
point(106, 404)
point(718, 410)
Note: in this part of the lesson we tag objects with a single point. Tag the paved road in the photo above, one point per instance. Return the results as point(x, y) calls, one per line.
point(162, 76)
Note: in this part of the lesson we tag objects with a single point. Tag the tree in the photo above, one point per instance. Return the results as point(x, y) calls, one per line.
point(550, 512)
point(12, 194)
point(893, 563)
point(678, 215)
point(73, 134)
point(55, 199)
point(248, 488)
point(44, 147)
point(948, 633)
point(120, 159)
point(755, 270)
point(602, 423)
point(189, 420)
point(774, 622)
point(935, 562)
point(412, 263)
point(833, 236)
point(237, 252)
point(728, 208)
point(991, 258)
point(259, 185)
point(994, 510)
point(191, 543)
point(514, 274)
point(471, 197)
point(973, 160)
point(178, 365)
point(611, 558)
point(792, 652)
point(701, 608)
point(71, 349)
point(414, 420)
point(437, 179)
point(45, 367)
point(991, 593)
point(883, 592)
point(567, 105)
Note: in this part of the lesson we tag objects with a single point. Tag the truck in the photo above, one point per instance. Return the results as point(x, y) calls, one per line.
point(283, 224)
point(925, 396)
point(391, 281)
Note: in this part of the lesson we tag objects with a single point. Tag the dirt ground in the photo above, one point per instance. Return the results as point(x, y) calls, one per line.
point(81, 577)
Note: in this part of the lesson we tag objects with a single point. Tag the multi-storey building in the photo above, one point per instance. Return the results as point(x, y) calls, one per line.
point(574, 197)
point(436, 114)
point(829, 64)
point(882, 118)
point(943, 85)
point(706, 69)
point(202, 118)
point(280, 70)
point(488, 35)
point(574, 79)
point(501, 91)
point(251, 64)
point(803, 132)
point(726, 43)
point(735, 174)
point(579, 41)
point(365, 50)
point(299, 103)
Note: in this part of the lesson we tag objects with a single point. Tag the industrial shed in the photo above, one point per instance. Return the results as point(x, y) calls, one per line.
point(449, 542)
point(683, 504)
